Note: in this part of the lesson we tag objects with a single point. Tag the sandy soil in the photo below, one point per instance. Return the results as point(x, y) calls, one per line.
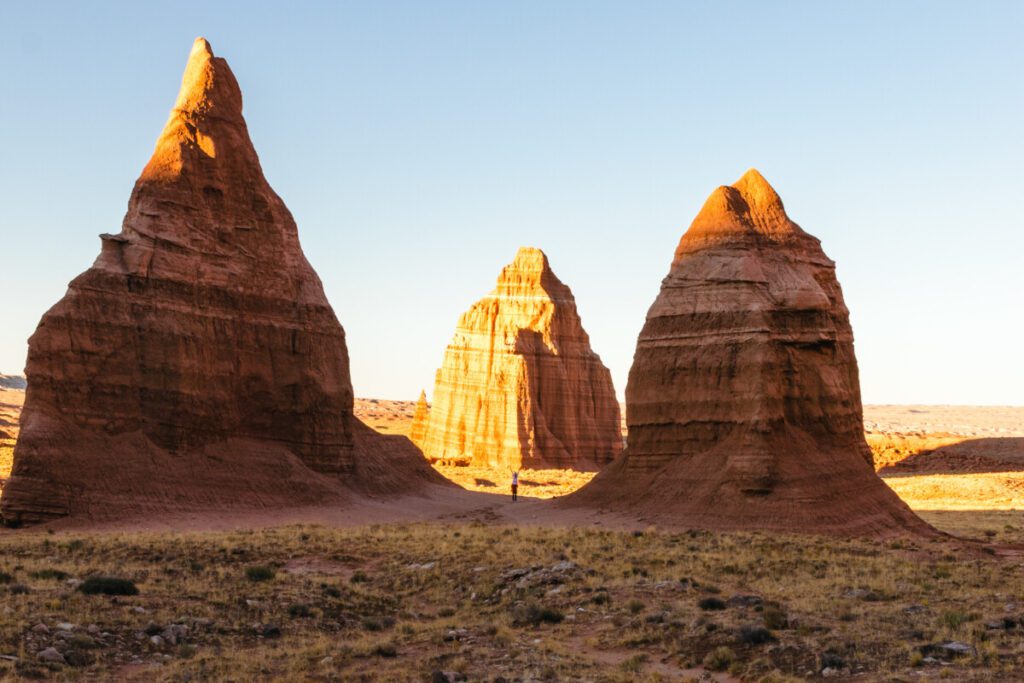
point(10, 411)
point(976, 421)
point(386, 416)
point(934, 457)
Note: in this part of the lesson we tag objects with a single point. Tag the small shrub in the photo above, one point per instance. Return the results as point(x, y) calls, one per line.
point(446, 612)
point(775, 617)
point(49, 575)
point(830, 660)
point(359, 577)
point(601, 599)
point(259, 573)
point(6, 578)
point(378, 623)
point(719, 659)
point(534, 615)
point(635, 606)
point(385, 650)
point(82, 641)
point(634, 663)
point(18, 589)
point(108, 585)
point(956, 618)
point(711, 604)
point(299, 611)
point(755, 635)
point(332, 591)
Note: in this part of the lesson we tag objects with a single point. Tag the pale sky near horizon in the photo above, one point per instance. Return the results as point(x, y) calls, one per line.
point(419, 144)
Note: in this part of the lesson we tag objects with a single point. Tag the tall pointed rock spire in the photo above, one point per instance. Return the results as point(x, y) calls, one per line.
point(198, 361)
point(743, 403)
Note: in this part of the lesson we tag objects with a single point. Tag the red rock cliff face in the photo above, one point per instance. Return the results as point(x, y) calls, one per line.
point(198, 360)
point(520, 385)
point(743, 403)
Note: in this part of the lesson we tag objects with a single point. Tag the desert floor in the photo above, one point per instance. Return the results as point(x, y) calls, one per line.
point(935, 457)
point(468, 586)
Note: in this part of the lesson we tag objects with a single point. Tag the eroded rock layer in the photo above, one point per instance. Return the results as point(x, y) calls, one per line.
point(520, 385)
point(743, 402)
point(197, 360)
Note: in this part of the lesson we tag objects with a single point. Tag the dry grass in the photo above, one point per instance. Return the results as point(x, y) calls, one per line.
point(402, 602)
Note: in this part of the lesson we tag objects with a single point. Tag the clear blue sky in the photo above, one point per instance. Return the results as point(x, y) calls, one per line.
point(419, 144)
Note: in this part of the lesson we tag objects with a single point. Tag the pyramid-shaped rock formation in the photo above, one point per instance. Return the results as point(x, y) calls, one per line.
point(520, 385)
point(743, 403)
point(197, 362)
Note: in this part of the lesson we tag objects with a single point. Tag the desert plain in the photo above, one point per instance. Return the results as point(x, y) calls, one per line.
point(471, 587)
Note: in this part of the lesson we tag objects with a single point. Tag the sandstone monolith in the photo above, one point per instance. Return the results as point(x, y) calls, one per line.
point(520, 385)
point(197, 362)
point(419, 419)
point(743, 403)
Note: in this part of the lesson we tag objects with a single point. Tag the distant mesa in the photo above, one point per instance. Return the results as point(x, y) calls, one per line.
point(520, 385)
point(197, 362)
point(743, 401)
point(12, 382)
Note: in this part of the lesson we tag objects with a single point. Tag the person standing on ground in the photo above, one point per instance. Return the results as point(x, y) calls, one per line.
point(515, 485)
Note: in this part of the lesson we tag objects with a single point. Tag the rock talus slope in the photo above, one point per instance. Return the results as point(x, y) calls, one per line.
point(743, 401)
point(520, 385)
point(197, 362)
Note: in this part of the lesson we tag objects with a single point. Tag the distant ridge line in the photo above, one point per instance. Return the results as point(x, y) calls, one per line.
point(13, 382)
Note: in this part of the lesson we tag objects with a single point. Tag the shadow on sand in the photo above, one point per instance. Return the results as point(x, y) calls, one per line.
point(971, 456)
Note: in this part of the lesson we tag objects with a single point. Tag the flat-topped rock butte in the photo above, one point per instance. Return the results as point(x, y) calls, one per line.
point(743, 401)
point(197, 362)
point(520, 386)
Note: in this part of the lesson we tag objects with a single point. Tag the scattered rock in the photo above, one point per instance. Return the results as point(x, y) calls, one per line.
point(948, 650)
point(455, 635)
point(51, 656)
point(745, 601)
point(423, 567)
point(862, 594)
point(530, 577)
point(174, 634)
